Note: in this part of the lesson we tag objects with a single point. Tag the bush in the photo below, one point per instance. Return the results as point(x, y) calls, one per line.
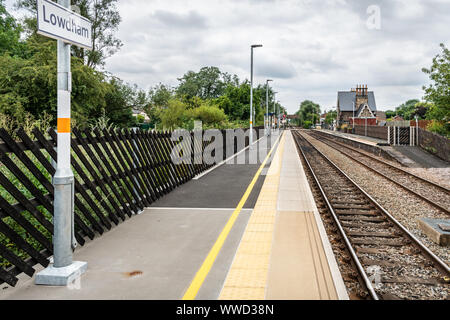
point(439, 127)
point(174, 115)
point(307, 124)
point(27, 122)
point(208, 114)
point(140, 118)
point(343, 127)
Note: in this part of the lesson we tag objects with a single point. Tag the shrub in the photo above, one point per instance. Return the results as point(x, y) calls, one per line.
point(208, 114)
point(140, 118)
point(439, 127)
point(307, 124)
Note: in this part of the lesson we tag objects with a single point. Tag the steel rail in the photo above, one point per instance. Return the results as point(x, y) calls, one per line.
point(431, 202)
point(441, 265)
point(445, 189)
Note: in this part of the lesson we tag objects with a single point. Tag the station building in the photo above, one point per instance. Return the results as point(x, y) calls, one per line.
point(359, 102)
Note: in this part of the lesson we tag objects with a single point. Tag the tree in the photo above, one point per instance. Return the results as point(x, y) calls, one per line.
point(105, 20)
point(174, 115)
point(236, 101)
point(119, 101)
point(28, 86)
point(309, 113)
point(421, 109)
point(209, 115)
point(330, 117)
point(439, 91)
point(390, 114)
point(208, 83)
point(160, 95)
point(407, 109)
point(9, 33)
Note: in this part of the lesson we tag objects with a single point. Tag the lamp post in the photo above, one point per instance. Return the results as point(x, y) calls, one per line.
point(278, 116)
point(266, 123)
point(353, 126)
point(251, 92)
point(274, 102)
point(417, 130)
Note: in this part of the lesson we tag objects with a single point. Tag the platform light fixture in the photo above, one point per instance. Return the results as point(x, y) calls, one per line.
point(266, 122)
point(251, 92)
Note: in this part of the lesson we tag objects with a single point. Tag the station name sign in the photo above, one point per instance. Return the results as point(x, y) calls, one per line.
point(57, 22)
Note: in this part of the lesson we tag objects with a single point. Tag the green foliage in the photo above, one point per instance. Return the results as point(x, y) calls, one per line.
point(390, 114)
point(9, 33)
point(209, 115)
point(140, 118)
point(421, 109)
point(236, 101)
point(208, 83)
point(105, 20)
point(28, 78)
point(309, 111)
point(29, 85)
point(439, 91)
point(119, 100)
point(101, 123)
point(439, 127)
point(330, 117)
point(174, 115)
point(307, 124)
point(407, 109)
point(159, 96)
point(178, 115)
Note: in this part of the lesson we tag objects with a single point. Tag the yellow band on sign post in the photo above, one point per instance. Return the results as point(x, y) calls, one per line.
point(63, 125)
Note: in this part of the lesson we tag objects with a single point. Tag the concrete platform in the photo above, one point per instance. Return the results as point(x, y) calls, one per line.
point(151, 256)
point(224, 186)
point(415, 157)
point(362, 139)
point(407, 156)
point(275, 247)
point(284, 253)
point(156, 255)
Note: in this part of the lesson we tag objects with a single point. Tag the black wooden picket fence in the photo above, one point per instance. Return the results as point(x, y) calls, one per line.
point(117, 174)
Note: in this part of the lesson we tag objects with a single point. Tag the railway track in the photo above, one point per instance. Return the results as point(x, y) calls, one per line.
point(430, 192)
point(391, 262)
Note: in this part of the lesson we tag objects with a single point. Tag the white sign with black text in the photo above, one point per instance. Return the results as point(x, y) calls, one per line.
point(57, 22)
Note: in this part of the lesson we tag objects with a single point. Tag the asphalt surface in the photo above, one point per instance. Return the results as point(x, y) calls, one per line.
point(421, 158)
point(221, 188)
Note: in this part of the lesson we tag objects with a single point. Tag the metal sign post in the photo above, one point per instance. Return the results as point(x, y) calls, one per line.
point(58, 22)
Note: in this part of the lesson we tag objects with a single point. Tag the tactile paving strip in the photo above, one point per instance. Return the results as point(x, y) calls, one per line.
point(247, 278)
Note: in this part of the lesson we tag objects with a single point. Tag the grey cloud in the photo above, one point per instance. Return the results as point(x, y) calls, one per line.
point(311, 48)
point(191, 20)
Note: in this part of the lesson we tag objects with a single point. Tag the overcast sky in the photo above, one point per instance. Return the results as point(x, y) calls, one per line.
point(312, 49)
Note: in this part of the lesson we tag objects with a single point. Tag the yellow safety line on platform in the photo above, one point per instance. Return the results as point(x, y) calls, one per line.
point(201, 274)
point(247, 276)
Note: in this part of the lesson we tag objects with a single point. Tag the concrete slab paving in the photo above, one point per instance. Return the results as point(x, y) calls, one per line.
point(152, 256)
point(302, 265)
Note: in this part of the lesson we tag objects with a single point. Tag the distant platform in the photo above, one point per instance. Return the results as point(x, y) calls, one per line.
point(362, 139)
point(412, 157)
